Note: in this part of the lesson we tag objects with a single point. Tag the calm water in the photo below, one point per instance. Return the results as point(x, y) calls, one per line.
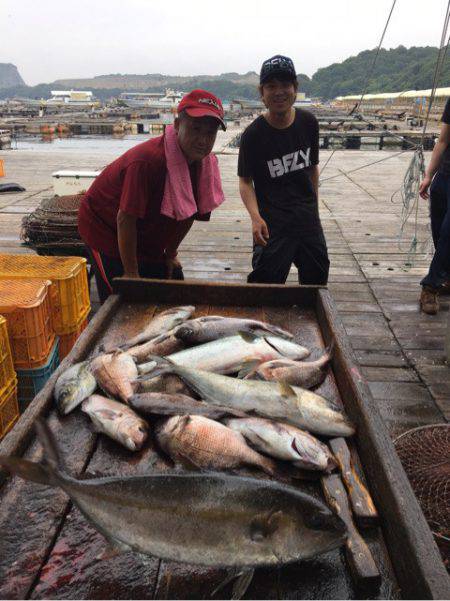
point(81, 144)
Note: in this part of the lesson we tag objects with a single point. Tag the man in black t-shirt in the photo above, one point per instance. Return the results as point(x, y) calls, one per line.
point(437, 279)
point(279, 180)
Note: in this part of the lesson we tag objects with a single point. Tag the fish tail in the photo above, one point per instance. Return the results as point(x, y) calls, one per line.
point(52, 457)
point(329, 352)
point(43, 472)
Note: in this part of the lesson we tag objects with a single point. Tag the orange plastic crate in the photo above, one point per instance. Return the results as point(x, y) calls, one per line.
point(9, 409)
point(67, 341)
point(26, 306)
point(69, 292)
point(7, 373)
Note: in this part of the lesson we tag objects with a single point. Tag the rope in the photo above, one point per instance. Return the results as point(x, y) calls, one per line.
point(391, 156)
point(416, 170)
point(369, 74)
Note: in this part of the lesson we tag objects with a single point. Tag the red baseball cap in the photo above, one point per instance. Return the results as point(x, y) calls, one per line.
point(200, 103)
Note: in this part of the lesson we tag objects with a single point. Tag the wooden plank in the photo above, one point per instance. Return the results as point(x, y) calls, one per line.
point(418, 565)
point(216, 293)
point(363, 568)
point(363, 508)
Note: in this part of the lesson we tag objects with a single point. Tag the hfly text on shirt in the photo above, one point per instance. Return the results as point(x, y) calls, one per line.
point(289, 162)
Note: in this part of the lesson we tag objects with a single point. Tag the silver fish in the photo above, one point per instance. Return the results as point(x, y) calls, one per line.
point(160, 324)
point(159, 403)
point(286, 442)
point(117, 421)
point(207, 519)
point(274, 400)
point(306, 374)
point(229, 355)
point(212, 327)
point(73, 386)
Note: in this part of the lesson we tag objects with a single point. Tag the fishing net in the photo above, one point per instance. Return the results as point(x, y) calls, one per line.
point(425, 455)
point(52, 228)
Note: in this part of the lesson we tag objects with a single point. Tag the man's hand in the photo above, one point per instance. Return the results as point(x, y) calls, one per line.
point(260, 231)
point(423, 188)
point(171, 264)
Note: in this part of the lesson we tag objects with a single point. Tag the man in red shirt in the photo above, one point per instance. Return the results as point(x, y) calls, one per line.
point(120, 218)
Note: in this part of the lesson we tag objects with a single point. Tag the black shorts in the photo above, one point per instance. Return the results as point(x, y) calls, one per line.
point(272, 263)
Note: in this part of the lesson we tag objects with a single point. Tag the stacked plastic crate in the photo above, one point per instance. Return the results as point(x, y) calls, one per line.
point(34, 346)
point(9, 411)
point(68, 293)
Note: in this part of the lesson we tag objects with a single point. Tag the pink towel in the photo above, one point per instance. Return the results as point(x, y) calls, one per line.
point(178, 200)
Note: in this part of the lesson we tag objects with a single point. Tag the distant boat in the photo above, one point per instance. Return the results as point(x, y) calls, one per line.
point(156, 100)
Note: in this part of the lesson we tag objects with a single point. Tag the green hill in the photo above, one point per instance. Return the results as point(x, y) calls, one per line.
point(396, 70)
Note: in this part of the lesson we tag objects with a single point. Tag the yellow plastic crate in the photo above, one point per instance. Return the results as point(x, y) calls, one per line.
point(7, 373)
point(69, 292)
point(26, 306)
point(67, 341)
point(9, 409)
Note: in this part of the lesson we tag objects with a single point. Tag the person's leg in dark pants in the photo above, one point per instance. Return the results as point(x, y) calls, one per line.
point(271, 263)
point(311, 260)
point(438, 205)
point(440, 223)
point(105, 270)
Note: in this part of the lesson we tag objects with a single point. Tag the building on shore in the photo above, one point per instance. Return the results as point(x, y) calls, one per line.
point(411, 103)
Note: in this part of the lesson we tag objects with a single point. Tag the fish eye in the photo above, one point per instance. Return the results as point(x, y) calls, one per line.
point(257, 532)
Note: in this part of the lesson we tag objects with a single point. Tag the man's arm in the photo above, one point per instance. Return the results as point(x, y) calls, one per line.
point(314, 175)
point(259, 227)
point(436, 156)
point(127, 241)
point(171, 260)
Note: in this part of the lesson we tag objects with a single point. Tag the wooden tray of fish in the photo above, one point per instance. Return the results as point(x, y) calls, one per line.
point(238, 490)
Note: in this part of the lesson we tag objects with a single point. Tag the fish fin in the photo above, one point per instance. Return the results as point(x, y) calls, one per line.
point(242, 579)
point(330, 349)
point(185, 421)
point(42, 472)
point(286, 390)
point(108, 414)
point(28, 470)
point(249, 336)
point(246, 368)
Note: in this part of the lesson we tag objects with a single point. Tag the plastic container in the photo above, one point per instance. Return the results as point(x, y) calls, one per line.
point(26, 306)
point(69, 292)
point(67, 341)
point(31, 381)
point(7, 373)
point(9, 409)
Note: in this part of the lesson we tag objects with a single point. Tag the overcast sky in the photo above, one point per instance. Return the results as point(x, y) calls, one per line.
point(49, 39)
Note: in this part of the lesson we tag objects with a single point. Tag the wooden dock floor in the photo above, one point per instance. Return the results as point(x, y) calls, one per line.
point(399, 348)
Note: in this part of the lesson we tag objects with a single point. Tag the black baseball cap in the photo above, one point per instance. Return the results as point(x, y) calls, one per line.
point(277, 66)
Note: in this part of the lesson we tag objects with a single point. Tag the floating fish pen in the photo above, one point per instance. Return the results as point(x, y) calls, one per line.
point(48, 549)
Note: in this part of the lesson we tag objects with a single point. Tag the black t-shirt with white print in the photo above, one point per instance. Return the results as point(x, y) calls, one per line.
point(278, 161)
